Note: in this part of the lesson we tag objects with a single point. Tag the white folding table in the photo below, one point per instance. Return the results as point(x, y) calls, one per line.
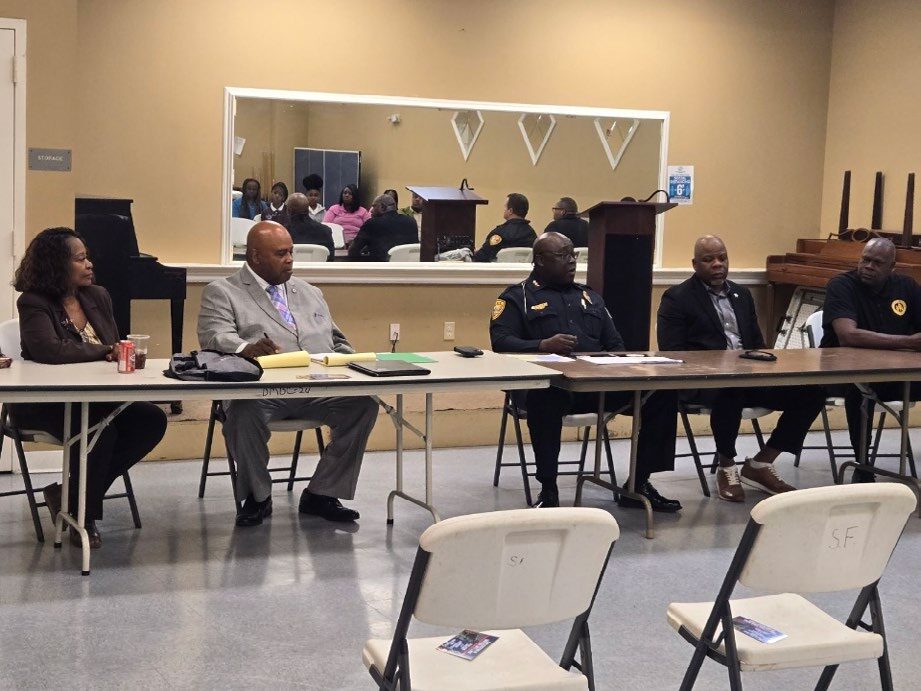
point(85, 383)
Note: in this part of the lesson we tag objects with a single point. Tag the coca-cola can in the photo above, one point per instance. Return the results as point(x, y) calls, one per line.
point(125, 357)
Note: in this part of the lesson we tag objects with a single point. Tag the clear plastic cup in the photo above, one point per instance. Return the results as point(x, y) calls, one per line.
point(140, 341)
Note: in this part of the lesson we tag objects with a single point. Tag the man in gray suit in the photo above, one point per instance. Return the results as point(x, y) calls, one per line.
point(262, 310)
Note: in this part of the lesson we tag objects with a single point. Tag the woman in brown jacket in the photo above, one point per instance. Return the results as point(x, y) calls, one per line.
point(64, 318)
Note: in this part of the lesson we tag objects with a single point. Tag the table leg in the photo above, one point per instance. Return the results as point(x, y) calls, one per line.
point(427, 438)
point(399, 486)
point(65, 480)
point(903, 420)
point(630, 490)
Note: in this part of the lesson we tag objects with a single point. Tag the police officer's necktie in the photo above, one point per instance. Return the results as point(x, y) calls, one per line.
point(279, 302)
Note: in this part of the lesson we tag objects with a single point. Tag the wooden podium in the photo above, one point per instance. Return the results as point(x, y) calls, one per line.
point(621, 251)
point(448, 213)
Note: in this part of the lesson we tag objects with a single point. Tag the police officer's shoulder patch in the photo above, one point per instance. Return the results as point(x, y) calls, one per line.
point(498, 308)
point(899, 307)
point(495, 239)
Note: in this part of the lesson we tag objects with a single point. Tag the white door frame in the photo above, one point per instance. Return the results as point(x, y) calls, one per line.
point(18, 69)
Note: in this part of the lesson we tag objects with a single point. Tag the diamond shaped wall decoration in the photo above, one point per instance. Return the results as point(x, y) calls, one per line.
point(615, 137)
point(467, 126)
point(536, 129)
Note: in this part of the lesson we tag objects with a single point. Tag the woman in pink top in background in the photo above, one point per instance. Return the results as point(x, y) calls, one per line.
point(348, 213)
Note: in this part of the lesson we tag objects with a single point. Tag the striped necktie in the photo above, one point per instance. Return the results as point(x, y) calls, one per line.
point(279, 302)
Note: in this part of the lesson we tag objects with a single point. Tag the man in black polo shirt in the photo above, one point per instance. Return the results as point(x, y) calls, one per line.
point(549, 313)
point(566, 221)
point(872, 307)
point(515, 232)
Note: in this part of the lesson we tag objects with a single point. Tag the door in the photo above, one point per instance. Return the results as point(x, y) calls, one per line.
point(12, 168)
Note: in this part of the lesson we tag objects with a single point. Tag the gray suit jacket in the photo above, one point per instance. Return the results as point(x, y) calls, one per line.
point(235, 310)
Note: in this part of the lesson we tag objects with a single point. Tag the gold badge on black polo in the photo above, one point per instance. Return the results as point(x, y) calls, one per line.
point(899, 307)
point(497, 308)
point(495, 239)
point(541, 306)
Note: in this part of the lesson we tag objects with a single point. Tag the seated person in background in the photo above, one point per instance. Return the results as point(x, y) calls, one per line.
point(396, 198)
point(709, 312)
point(250, 204)
point(348, 213)
point(386, 229)
point(549, 313)
point(277, 210)
point(262, 310)
point(515, 232)
point(303, 229)
point(64, 318)
point(872, 307)
point(313, 188)
point(566, 222)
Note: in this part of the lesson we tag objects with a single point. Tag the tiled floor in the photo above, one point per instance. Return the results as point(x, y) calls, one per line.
point(190, 602)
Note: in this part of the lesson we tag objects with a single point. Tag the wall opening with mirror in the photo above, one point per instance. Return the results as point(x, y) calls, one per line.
point(543, 152)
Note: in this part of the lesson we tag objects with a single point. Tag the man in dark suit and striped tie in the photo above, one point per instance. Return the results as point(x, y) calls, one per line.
point(262, 310)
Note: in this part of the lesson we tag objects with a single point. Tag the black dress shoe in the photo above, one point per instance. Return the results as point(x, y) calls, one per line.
point(863, 476)
point(659, 503)
point(254, 512)
point(547, 499)
point(92, 532)
point(329, 508)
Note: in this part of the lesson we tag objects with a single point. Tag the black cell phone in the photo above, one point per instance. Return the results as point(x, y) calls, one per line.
point(468, 351)
point(758, 355)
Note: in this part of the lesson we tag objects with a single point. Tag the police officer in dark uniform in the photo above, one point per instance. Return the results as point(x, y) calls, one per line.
point(515, 232)
point(872, 307)
point(549, 313)
point(566, 222)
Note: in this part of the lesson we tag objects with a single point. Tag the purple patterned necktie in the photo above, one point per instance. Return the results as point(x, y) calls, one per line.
point(277, 300)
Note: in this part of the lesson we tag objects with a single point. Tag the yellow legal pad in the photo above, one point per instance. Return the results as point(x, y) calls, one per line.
point(299, 358)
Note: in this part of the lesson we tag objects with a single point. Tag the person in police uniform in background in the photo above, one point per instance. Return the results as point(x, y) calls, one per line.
point(515, 232)
point(550, 313)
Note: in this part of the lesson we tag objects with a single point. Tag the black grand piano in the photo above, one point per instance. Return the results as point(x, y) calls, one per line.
point(128, 274)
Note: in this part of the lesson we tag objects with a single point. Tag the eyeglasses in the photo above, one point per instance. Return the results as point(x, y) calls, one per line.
point(557, 208)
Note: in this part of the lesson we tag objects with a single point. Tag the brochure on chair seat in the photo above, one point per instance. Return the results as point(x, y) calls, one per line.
point(467, 644)
point(388, 368)
point(755, 629)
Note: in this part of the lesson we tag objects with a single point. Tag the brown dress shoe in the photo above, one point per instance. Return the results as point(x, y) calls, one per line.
point(727, 484)
point(765, 479)
point(92, 532)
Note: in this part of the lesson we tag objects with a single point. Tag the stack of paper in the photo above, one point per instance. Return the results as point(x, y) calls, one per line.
point(629, 359)
point(342, 359)
point(298, 358)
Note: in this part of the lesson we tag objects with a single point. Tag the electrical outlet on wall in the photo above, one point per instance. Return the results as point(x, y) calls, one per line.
point(394, 332)
point(449, 331)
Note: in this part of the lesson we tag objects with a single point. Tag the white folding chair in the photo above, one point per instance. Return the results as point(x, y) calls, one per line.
point(405, 253)
point(338, 236)
point(581, 255)
point(297, 425)
point(586, 421)
point(516, 255)
point(239, 228)
point(814, 331)
point(498, 572)
point(821, 540)
point(310, 253)
point(10, 345)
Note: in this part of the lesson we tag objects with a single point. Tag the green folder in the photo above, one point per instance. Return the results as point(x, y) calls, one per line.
point(404, 357)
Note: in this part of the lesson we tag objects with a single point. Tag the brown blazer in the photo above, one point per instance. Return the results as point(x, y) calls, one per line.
point(48, 336)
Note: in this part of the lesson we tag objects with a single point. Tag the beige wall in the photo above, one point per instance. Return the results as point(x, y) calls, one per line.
point(873, 108)
point(51, 55)
point(737, 75)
